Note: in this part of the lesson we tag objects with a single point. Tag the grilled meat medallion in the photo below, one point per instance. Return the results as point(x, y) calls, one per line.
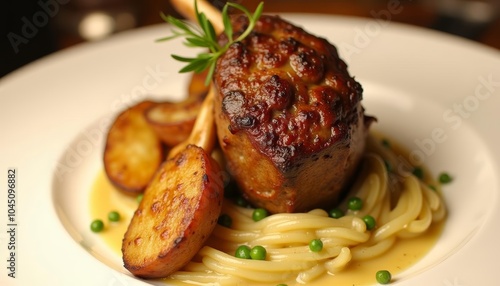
point(288, 115)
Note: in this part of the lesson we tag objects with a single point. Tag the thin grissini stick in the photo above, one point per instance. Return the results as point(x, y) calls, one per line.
point(203, 133)
point(186, 8)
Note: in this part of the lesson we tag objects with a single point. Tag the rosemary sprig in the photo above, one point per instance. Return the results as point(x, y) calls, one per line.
point(204, 36)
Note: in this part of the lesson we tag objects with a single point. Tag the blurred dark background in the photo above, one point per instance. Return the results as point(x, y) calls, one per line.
point(33, 29)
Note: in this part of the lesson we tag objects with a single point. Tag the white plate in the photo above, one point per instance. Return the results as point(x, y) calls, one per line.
point(435, 93)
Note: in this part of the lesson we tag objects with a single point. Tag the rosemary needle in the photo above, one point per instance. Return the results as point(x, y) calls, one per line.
point(204, 36)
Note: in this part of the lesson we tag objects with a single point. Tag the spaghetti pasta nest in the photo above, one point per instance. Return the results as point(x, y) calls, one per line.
point(403, 206)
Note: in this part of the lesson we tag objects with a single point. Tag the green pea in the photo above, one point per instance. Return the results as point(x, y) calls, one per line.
point(418, 172)
point(316, 245)
point(259, 214)
point(369, 221)
point(225, 220)
point(97, 225)
point(139, 198)
point(445, 178)
point(258, 253)
point(243, 252)
point(383, 277)
point(336, 213)
point(114, 216)
point(355, 203)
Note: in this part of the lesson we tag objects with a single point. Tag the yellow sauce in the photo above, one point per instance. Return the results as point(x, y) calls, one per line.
point(405, 252)
point(401, 256)
point(104, 198)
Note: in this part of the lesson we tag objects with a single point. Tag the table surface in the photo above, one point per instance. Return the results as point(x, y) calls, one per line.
point(57, 35)
point(423, 13)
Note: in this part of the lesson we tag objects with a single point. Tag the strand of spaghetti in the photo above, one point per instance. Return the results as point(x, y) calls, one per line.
point(304, 221)
point(385, 210)
point(339, 262)
point(378, 209)
point(336, 241)
point(412, 199)
point(371, 187)
point(284, 238)
point(431, 196)
point(247, 212)
point(373, 145)
point(253, 265)
point(249, 275)
point(304, 257)
point(223, 245)
point(358, 224)
point(250, 269)
point(369, 192)
point(270, 221)
point(363, 252)
point(235, 212)
point(337, 232)
point(234, 235)
point(397, 161)
point(195, 267)
point(381, 170)
point(311, 274)
point(379, 190)
point(423, 221)
point(203, 278)
point(439, 214)
point(302, 253)
point(349, 237)
point(318, 212)
point(402, 205)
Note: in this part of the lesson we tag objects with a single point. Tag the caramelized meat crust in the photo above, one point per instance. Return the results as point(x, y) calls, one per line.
point(287, 95)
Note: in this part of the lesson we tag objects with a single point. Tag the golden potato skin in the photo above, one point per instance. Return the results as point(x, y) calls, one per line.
point(289, 116)
point(177, 214)
point(172, 121)
point(133, 151)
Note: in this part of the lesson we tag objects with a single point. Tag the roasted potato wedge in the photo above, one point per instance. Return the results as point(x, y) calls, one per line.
point(133, 151)
point(173, 122)
point(177, 214)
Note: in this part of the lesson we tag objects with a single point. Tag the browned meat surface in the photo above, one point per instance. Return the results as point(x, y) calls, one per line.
point(289, 117)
